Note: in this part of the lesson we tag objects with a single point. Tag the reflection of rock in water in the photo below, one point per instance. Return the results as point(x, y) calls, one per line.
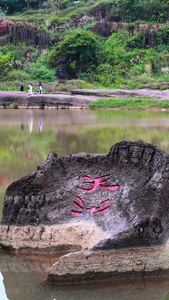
point(129, 290)
point(23, 276)
point(23, 281)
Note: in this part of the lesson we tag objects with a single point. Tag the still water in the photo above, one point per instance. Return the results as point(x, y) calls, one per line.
point(26, 137)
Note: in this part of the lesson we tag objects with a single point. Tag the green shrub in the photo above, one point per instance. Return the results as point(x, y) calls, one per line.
point(42, 73)
point(17, 75)
point(8, 87)
point(38, 71)
point(137, 69)
point(83, 48)
point(163, 87)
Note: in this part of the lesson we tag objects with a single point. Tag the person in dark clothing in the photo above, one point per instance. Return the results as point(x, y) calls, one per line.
point(22, 86)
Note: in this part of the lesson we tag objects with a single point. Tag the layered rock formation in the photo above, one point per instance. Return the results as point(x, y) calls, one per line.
point(107, 27)
point(88, 265)
point(19, 32)
point(111, 203)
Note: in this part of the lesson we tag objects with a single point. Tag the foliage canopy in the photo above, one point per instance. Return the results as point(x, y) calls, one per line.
point(83, 48)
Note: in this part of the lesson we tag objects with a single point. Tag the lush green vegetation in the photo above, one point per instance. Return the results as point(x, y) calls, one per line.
point(129, 57)
point(130, 103)
point(15, 6)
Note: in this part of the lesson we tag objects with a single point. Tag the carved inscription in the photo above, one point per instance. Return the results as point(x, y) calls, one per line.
point(96, 183)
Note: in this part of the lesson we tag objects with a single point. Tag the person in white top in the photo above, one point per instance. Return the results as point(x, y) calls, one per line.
point(30, 89)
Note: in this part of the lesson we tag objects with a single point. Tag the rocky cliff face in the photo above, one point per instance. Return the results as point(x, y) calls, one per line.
point(19, 32)
point(106, 28)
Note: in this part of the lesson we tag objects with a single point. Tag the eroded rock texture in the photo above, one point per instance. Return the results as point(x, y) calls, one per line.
point(19, 32)
point(87, 265)
point(123, 193)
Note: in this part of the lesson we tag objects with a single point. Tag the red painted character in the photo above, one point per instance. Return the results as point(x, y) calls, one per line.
point(1, 28)
point(98, 183)
point(103, 206)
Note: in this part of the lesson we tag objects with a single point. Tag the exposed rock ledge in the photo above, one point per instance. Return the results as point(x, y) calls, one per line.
point(115, 264)
point(79, 98)
point(50, 239)
point(119, 93)
point(17, 99)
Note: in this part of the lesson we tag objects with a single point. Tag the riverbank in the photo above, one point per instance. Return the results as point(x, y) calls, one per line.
point(85, 98)
point(17, 99)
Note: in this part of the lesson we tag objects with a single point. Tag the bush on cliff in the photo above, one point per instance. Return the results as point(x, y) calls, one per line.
point(83, 48)
point(5, 63)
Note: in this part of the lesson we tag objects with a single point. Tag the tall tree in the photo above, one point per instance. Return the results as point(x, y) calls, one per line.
point(32, 3)
point(11, 6)
point(82, 48)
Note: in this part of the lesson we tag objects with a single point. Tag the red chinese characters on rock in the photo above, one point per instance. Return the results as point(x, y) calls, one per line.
point(103, 206)
point(0, 27)
point(96, 183)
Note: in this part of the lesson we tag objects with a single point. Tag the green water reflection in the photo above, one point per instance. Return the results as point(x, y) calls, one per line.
point(23, 145)
point(26, 136)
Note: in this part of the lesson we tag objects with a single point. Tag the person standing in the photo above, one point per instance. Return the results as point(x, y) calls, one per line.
point(30, 89)
point(40, 88)
point(21, 86)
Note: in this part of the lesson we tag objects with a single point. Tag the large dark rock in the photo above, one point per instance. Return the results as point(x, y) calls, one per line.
point(132, 205)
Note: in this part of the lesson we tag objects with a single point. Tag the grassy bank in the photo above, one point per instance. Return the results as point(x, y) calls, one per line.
point(51, 87)
point(130, 103)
